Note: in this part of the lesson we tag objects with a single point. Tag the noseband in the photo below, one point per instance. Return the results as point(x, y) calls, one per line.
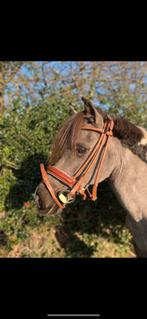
point(96, 157)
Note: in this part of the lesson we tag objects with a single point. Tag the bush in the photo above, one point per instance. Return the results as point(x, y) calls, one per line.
point(26, 136)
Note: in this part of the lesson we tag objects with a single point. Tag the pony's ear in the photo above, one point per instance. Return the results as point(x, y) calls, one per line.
point(90, 109)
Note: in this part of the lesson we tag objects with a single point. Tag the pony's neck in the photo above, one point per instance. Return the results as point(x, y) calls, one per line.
point(129, 182)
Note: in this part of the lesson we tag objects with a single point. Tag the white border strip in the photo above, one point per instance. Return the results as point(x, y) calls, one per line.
point(73, 315)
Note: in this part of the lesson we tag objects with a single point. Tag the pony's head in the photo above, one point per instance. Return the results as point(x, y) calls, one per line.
point(73, 163)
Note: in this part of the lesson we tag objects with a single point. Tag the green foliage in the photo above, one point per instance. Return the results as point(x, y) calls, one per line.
point(85, 229)
point(37, 101)
point(26, 136)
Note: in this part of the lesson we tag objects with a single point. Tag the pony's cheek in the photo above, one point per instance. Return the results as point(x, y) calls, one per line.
point(69, 164)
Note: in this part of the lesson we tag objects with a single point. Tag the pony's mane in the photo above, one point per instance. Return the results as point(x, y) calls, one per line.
point(126, 131)
point(129, 134)
point(66, 137)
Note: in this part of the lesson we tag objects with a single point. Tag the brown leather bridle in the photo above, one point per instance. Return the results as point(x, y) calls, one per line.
point(96, 157)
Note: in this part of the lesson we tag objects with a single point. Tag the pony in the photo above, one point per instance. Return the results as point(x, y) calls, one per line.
point(89, 148)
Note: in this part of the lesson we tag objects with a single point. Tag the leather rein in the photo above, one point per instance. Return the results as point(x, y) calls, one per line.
point(96, 157)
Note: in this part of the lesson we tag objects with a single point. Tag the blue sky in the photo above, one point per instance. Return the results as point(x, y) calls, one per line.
point(62, 68)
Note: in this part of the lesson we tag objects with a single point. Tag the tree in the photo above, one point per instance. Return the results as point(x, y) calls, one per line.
point(8, 70)
point(120, 87)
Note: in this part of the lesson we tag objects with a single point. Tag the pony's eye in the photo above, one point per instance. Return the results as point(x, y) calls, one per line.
point(80, 150)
